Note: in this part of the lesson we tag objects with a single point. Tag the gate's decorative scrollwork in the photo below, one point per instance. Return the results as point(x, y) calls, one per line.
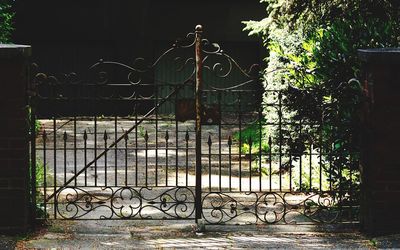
point(269, 208)
point(125, 203)
point(148, 106)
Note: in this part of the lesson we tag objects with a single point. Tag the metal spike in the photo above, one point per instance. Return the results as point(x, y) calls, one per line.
point(269, 141)
point(187, 136)
point(105, 135)
point(209, 140)
point(65, 136)
point(84, 135)
point(166, 135)
point(146, 136)
point(250, 142)
point(229, 141)
point(44, 135)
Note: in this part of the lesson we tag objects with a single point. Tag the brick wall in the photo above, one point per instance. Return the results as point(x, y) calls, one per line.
point(381, 156)
point(14, 141)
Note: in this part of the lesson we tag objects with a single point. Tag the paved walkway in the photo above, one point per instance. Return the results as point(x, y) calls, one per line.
point(176, 235)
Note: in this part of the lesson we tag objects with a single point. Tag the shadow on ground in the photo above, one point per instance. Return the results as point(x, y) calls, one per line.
point(98, 234)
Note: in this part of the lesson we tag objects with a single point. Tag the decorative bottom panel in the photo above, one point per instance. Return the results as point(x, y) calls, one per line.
point(275, 208)
point(123, 203)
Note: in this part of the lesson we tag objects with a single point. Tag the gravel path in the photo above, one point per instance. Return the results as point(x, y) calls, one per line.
point(174, 235)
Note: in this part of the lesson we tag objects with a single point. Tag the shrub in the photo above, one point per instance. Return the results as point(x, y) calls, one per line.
point(312, 50)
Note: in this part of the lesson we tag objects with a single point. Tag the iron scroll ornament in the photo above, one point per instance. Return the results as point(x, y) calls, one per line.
point(48, 86)
point(135, 72)
point(125, 203)
point(270, 208)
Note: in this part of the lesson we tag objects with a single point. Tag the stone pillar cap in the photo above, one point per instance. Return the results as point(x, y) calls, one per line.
point(14, 50)
point(380, 55)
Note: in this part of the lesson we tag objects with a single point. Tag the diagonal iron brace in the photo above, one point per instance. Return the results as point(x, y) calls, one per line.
point(179, 87)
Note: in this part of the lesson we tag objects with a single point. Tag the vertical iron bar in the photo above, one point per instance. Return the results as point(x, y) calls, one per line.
point(320, 164)
point(65, 156)
point(95, 150)
point(126, 159)
point(330, 167)
point(136, 146)
point(176, 147)
point(198, 93)
point(105, 157)
point(240, 142)
point(321, 151)
point(351, 188)
point(219, 141)
point(300, 164)
point(116, 151)
point(209, 142)
point(250, 170)
point(166, 158)
point(290, 172)
point(280, 139)
point(85, 153)
point(55, 165)
point(230, 162)
point(340, 190)
point(33, 162)
point(187, 157)
point(146, 139)
point(260, 149)
point(311, 152)
point(156, 115)
point(75, 151)
point(270, 162)
point(44, 174)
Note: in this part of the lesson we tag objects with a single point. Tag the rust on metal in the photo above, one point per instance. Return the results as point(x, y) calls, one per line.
point(198, 88)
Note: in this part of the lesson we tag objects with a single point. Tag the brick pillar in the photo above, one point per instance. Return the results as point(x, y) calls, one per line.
point(380, 163)
point(14, 139)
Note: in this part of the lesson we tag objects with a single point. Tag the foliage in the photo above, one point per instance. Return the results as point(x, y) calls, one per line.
point(252, 134)
point(6, 21)
point(40, 178)
point(312, 52)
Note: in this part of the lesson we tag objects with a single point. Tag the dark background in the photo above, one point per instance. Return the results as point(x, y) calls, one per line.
point(71, 35)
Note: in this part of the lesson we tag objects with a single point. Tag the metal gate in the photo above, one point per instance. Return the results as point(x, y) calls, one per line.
point(106, 148)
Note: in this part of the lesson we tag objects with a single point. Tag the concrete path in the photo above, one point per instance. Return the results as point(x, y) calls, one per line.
point(182, 235)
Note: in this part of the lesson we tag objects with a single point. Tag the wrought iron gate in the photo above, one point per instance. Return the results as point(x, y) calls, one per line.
point(106, 148)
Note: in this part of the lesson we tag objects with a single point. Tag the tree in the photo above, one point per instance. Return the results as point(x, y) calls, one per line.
point(312, 50)
point(6, 21)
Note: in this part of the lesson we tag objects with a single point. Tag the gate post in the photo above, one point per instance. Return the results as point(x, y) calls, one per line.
point(14, 139)
point(198, 94)
point(380, 163)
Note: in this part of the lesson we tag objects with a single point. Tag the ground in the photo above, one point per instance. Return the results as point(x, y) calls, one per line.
point(120, 234)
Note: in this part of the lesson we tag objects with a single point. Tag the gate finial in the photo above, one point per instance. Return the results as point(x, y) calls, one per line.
point(199, 28)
